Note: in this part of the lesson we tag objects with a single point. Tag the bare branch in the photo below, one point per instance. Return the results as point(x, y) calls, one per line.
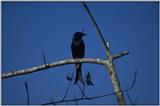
point(95, 24)
point(26, 86)
point(53, 64)
point(115, 82)
point(110, 65)
point(59, 63)
point(120, 54)
point(44, 59)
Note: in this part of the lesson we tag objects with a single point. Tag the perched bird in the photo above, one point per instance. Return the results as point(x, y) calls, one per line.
point(88, 79)
point(78, 50)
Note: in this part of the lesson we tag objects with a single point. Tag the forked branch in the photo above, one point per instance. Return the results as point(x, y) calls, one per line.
point(56, 64)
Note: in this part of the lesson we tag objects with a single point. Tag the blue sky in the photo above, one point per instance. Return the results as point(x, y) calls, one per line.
point(29, 27)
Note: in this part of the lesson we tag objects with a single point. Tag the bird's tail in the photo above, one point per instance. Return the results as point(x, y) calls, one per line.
point(79, 74)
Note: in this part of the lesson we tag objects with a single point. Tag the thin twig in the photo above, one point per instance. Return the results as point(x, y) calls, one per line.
point(26, 86)
point(84, 90)
point(100, 96)
point(68, 86)
point(134, 81)
point(116, 56)
point(129, 98)
point(95, 24)
point(44, 59)
point(83, 94)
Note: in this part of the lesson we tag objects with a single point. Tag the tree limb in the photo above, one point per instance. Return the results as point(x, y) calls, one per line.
point(110, 65)
point(56, 64)
point(95, 24)
point(53, 64)
point(116, 56)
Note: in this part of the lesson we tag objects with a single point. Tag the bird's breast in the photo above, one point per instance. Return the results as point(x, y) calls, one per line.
point(77, 43)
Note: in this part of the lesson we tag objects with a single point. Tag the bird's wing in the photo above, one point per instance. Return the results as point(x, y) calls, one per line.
point(73, 50)
point(82, 48)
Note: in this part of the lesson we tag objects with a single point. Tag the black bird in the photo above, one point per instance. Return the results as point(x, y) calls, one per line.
point(78, 49)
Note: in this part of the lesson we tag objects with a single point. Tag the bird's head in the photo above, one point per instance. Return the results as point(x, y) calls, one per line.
point(78, 36)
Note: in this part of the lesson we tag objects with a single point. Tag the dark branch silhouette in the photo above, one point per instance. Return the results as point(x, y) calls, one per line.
point(68, 86)
point(83, 94)
point(82, 91)
point(95, 24)
point(95, 97)
point(129, 98)
point(44, 59)
point(26, 86)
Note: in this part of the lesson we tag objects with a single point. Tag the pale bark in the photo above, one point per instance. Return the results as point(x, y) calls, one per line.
point(56, 64)
point(110, 65)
